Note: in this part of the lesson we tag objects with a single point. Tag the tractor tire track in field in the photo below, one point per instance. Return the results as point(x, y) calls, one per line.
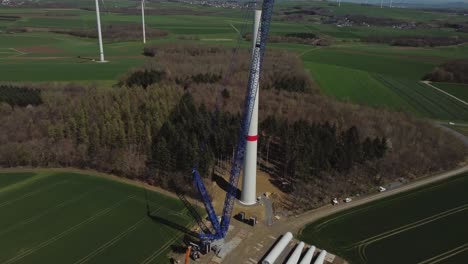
point(38, 216)
point(32, 193)
point(362, 245)
point(113, 240)
point(99, 214)
point(445, 255)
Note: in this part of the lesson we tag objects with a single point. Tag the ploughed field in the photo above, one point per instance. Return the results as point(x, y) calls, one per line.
point(53, 217)
point(426, 225)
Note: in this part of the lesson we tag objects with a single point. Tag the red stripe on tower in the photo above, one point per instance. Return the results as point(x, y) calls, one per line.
point(252, 138)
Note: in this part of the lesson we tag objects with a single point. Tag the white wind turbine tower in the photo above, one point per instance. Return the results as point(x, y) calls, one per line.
point(381, 3)
point(391, 3)
point(101, 48)
point(143, 20)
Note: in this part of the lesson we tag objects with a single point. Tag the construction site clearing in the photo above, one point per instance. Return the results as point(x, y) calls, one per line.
point(248, 242)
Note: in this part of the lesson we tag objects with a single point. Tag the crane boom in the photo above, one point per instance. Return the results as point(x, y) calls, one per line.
point(208, 205)
point(222, 228)
point(254, 78)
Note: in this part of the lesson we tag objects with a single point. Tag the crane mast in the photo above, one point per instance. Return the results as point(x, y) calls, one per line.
point(254, 78)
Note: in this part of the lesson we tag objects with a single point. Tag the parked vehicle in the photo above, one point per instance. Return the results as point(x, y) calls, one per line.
point(335, 201)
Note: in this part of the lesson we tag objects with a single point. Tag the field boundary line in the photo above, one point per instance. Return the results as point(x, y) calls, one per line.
point(37, 216)
point(444, 92)
point(32, 193)
point(51, 240)
point(445, 255)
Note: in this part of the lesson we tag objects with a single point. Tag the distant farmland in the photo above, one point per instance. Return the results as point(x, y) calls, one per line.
point(76, 218)
point(356, 86)
point(426, 225)
point(363, 73)
point(426, 100)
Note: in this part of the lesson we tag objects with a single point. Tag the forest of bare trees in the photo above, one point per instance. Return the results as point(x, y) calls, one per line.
point(161, 122)
point(453, 71)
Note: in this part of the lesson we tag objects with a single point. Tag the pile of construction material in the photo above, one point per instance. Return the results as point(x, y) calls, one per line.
point(294, 258)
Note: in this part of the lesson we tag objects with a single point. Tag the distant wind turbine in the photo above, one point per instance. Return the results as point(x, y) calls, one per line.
point(381, 3)
point(391, 3)
point(143, 20)
point(101, 48)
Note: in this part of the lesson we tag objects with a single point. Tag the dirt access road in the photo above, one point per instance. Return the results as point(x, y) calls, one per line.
point(256, 244)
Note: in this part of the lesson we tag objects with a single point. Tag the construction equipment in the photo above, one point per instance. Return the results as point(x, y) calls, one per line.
point(187, 255)
point(221, 228)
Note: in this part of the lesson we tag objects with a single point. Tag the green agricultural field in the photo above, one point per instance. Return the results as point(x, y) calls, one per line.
point(427, 101)
point(457, 90)
point(383, 63)
point(52, 217)
point(426, 225)
point(356, 86)
point(12, 178)
point(56, 57)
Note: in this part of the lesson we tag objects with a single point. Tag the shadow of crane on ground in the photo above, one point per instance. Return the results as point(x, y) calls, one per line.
point(194, 213)
point(223, 184)
point(153, 215)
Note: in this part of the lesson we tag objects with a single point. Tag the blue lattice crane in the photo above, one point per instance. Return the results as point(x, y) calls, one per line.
point(221, 229)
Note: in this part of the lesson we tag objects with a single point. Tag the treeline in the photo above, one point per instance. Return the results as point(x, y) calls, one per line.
point(301, 150)
point(298, 38)
point(110, 130)
point(374, 21)
point(416, 41)
point(174, 64)
point(300, 13)
point(454, 71)
point(115, 32)
point(142, 78)
point(460, 27)
point(9, 18)
point(20, 96)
